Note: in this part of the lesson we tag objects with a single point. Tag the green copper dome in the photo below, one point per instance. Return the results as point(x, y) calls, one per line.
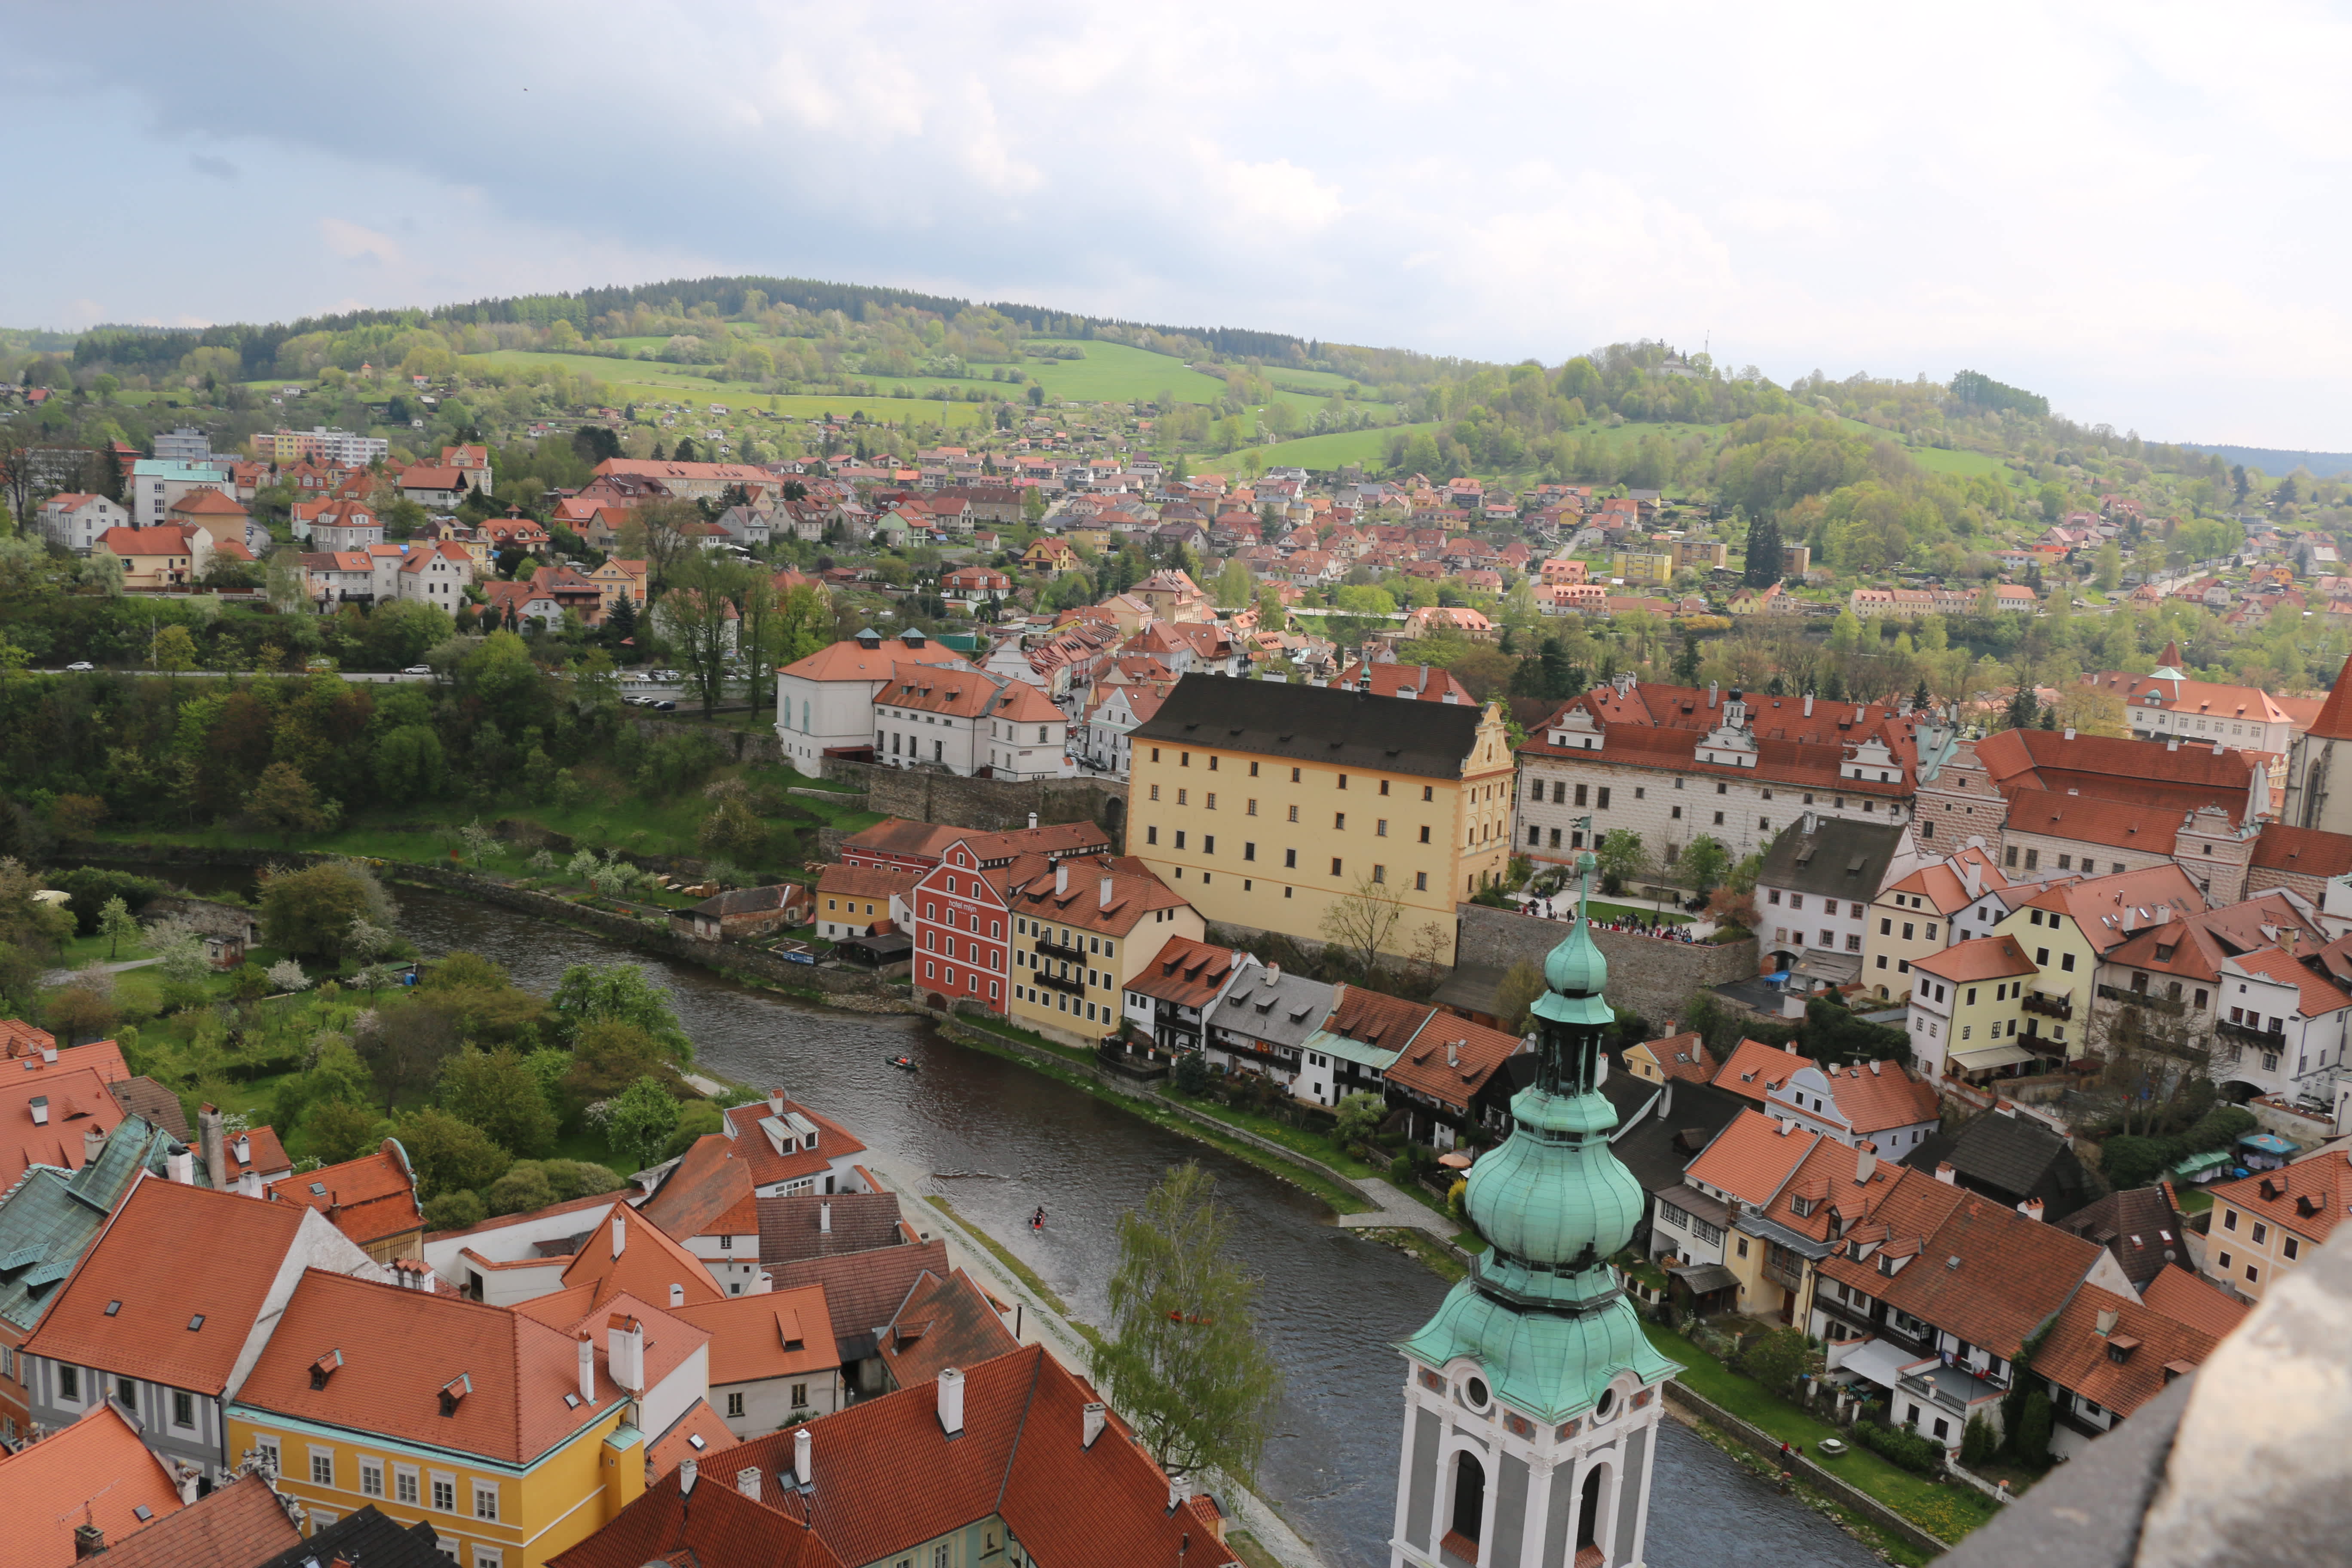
point(1542, 1310)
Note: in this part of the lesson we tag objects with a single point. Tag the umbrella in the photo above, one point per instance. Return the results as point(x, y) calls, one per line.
point(1458, 1160)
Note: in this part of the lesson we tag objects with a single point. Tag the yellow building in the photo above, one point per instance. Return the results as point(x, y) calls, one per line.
point(1082, 927)
point(512, 1437)
point(1918, 916)
point(1651, 567)
point(1268, 806)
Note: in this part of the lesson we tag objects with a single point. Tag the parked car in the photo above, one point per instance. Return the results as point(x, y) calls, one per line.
point(418, 669)
point(81, 664)
point(664, 706)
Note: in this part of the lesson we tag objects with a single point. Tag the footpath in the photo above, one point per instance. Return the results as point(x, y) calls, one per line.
point(1042, 1323)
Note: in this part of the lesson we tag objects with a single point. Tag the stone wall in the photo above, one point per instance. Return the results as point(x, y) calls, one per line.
point(759, 745)
point(986, 806)
point(1653, 978)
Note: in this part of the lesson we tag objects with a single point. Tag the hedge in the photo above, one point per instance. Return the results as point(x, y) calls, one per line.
point(1905, 1447)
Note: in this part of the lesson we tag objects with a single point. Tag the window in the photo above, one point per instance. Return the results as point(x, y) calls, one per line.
point(2229, 1219)
point(183, 1408)
point(322, 1468)
point(800, 1395)
point(1380, 828)
point(1338, 820)
point(486, 1500)
point(1253, 805)
point(1208, 844)
point(1151, 835)
point(444, 1493)
point(2225, 1262)
point(2254, 1274)
point(1425, 836)
point(371, 1477)
point(1421, 881)
point(1429, 792)
point(1335, 865)
point(735, 1406)
point(1181, 797)
point(1380, 873)
point(2261, 1233)
point(1155, 792)
point(1253, 770)
point(1718, 819)
point(1290, 859)
point(404, 1484)
point(2290, 1247)
point(1293, 814)
point(69, 1385)
point(1294, 775)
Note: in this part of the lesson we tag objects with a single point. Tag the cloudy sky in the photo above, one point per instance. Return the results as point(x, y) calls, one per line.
point(2136, 208)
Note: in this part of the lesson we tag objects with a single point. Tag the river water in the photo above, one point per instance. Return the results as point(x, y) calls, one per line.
point(1002, 1141)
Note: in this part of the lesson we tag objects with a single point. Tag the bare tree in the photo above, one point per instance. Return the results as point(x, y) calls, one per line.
point(2155, 1048)
point(660, 533)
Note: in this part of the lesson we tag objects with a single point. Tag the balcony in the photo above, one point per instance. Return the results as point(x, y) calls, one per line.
point(2251, 1035)
point(1047, 947)
point(2059, 1008)
point(2154, 1003)
point(1056, 982)
point(1785, 1269)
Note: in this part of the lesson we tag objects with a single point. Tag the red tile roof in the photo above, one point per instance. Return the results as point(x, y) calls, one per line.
point(2191, 1298)
point(69, 1103)
point(706, 1193)
point(2317, 995)
point(769, 1164)
point(370, 1199)
point(647, 1264)
point(1755, 1069)
point(943, 1322)
point(714, 1526)
point(780, 1334)
point(814, 1224)
point(1681, 1057)
point(1185, 971)
point(2305, 851)
point(1880, 1102)
point(239, 1526)
point(677, 1445)
point(1752, 1157)
point(1980, 958)
point(849, 660)
point(1982, 1270)
point(172, 1256)
point(2335, 719)
point(2308, 1196)
point(863, 1288)
point(2153, 1349)
point(42, 1488)
point(2183, 778)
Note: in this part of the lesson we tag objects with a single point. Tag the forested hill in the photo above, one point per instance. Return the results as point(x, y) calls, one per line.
point(2273, 461)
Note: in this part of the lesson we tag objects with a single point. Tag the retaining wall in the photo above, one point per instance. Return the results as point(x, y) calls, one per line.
point(760, 745)
point(1758, 1441)
point(1653, 978)
point(986, 806)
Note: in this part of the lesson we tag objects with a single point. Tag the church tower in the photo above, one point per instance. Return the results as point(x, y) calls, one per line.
point(1532, 1397)
point(2315, 796)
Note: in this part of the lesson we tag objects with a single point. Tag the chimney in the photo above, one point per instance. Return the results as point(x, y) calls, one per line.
point(94, 1143)
point(746, 1481)
point(1665, 1099)
point(775, 1102)
point(208, 1139)
point(1809, 704)
point(620, 1229)
point(951, 1401)
point(587, 1367)
point(243, 1150)
point(804, 1461)
point(1947, 1175)
point(1033, 822)
point(676, 1294)
point(1670, 1029)
point(2108, 1320)
point(88, 1541)
point(2069, 732)
point(687, 1473)
point(1061, 877)
point(2032, 1209)
point(1105, 892)
point(825, 1219)
point(1093, 1425)
point(181, 1166)
point(1865, 1161)
point(249, 1184)
point(1790, 1046)
point(2172, 742)
point(40, 1109)
point(624, 1351)
point(1274, 974)
point(1710, 692)
point(1454, 1053)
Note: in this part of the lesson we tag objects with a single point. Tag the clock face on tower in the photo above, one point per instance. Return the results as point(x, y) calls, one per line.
point(1531, 1412)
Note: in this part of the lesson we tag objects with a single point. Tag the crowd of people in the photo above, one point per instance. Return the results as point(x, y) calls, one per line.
point(1560, 907)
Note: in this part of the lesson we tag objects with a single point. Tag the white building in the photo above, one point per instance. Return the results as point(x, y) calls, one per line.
point(825, 703)
point(74, 520)
point(1815, 888)
point(436, 574)
point(156, 485)
point(961, 718)
point(1105, 746)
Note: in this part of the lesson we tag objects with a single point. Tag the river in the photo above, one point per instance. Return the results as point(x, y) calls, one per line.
point(1002, 1141)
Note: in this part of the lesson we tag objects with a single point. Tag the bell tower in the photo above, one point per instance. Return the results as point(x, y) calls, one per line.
point(1532, 1397)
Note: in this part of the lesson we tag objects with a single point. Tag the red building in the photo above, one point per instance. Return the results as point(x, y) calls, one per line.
point(959, 924)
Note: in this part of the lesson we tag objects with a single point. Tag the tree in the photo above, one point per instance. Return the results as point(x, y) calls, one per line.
point(449, 1154)
point(1362, 924)
point(638, 1124)
point(311, 912)
point(174, 650)
point(619, 994)
point(117, 925)
point(1777, 1359)
point(1704, 862)
point(733, 830)
point(455, 1211)
point(404, 1045)
point(1763, 566)
point(1185, 1360)
point(178, 949)
point(1978, 1442)
point(2092, 710)
point(1360, 1115)
point(2032, 1440)
point(1522, 984)
point(282, 798)
point(1686, 662)
point(1234, 586)
point(607, 1056)
point(698, 615)
point(496, 1093)
point(338, 1130)
point(1622, 857)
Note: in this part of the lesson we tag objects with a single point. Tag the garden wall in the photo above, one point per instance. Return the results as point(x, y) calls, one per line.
point(1653, 978)
point(986, 806)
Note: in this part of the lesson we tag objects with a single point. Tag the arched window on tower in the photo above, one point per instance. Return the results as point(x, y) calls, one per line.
point(1587, 1508)
point(1469, 1506)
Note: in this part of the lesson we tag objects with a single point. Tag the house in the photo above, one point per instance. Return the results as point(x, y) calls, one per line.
point(980, 1465)
point(89, 1483)
point(774, 1359)
point(1875, 1102)
point(1965, 1005)
point(74, 520)
point(897, 844)
point(745, 912)
point(1263, 1023)
point(960, 910)
point(1680, 1058)
point(861, 900)
point(1920, 914)
point(1450, 1077)
point(157, 483)
point(169, 1309)
point(436, 574)
point(245, 1524)
point(705, 1203)
point(824, 702)
point(434, 486)
point(616, 580)
point(2142, 1227)
point(2106, 1354)
point(945, 1322)
point(809, 1226)
point(515, 605)
point(370, 1199)
point(2273, 1222)
point(970, 723)
point(157, 559)
point(695, 482)
point(793, 1150)
point(1077, 938)
point(1430, 786)
point(1754, 1070)
point(511, 1435)
point(1169, 999)
point(972, 586)
point(1783, 1197)
point(1049, 555)
point(346, 525)
point(1107, 747)
point(1815, 889)
point(2166, 703)
point(2014, 1159)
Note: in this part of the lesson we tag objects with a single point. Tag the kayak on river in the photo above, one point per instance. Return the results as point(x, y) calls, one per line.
point(905, 1064)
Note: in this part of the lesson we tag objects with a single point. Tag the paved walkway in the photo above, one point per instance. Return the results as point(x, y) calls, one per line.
point(1042, 1325)
point(62, 976)
point(1399, 1212)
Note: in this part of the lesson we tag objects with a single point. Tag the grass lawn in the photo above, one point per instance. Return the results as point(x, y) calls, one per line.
point(1369, 447)
point(1115, 372)
point(1968, 465)
point(2193, 1200)
point(1314, 1145)
point(1601, 912)
point(1949, 1512)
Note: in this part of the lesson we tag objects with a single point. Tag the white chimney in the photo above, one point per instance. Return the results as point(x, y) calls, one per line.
point(825, 1219)
point(1809, 704)
point(620, 1229)
point(1033, 822)
point(803, 1460)
point(763, 1284)
point(243, 1150)
point(48, 1055)
point(249, 1184)
point(1865, 1161)
point(1105, 892)
point(1454, 1053)
point(1947, 1175)
point(951, 1401)
point(2032, 1209)
point(624, 1351)
point(181, 1166)
point(688, 1472)
point(2068, 734)
point(746, 1481)
point(40, 1108)
point(676, 1294)
point(1061, 877)
point(93, 1145)
point(1094, 1423)
point(2172, 742)
point(587, 1367)
point(775, 1102)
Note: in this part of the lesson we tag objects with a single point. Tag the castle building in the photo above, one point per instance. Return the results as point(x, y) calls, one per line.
point(2313, 798)
point(1532, 1397)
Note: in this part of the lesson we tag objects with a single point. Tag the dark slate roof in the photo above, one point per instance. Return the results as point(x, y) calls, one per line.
point(2011, 1157)
point(862, 1290)
point(369, 1539)
point(790, 1227)
point(152, 1103)
point(49, 1219)
point(1838, 857)
point(1654, 1148)
point(2134, 1226)
point(1319, 724)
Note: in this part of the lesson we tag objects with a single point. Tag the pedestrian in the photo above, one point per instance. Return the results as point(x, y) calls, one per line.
point(1037, 1220)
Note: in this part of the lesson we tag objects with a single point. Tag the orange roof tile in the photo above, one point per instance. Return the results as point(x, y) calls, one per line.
point(648, 1263)
point(706, 1193)
point(2334, 721)
point(369, 1199)
point(679, 1444)
point(849, 660)
point(781, 1334)
point(1681, 1057)
point(1980, 958)
point(770, 1164)
point(2308, 1196)
point(1752, 1157)
point(2126, 1366)
point(1880, 1102)
point(1185, 971)
point(2191, 1298)
point(2318, 994)
point(237, 1526)
point(1755, 1069)
point(96, 1469)
point(2307, 851)
point(943, 1322)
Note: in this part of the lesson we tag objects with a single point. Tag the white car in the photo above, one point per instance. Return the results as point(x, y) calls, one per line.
point(80, 664)
point(418, 669)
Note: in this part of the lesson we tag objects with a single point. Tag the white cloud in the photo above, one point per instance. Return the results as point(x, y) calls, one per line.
point(350, 241)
